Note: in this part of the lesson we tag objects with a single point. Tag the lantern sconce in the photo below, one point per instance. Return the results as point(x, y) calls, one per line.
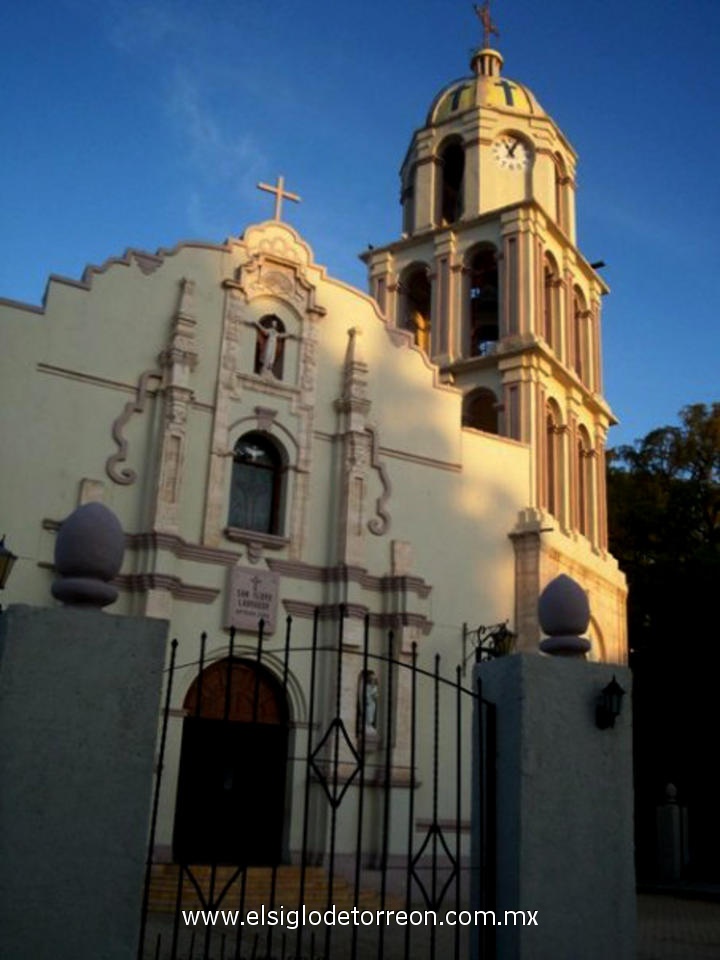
point(7, 560)
point(487, 643)
point(609, 705)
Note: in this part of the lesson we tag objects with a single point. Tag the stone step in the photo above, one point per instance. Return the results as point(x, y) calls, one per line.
point(258, 889)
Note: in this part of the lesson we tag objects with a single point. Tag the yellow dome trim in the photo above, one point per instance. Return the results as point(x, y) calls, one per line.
point(473, 92)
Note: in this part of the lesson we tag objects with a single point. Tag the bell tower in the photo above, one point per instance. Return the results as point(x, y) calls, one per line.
point(487, 279)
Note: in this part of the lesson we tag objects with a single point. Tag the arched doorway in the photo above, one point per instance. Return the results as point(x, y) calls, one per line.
point(233, 762)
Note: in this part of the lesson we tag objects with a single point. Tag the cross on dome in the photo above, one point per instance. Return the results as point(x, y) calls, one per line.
point(489, 28)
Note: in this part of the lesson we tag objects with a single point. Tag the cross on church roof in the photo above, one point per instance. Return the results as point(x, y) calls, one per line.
point(280, 194)
point(489, 28)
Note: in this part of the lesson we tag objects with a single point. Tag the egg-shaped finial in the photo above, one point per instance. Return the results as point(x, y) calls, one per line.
point(88, 554)
point(564, 613)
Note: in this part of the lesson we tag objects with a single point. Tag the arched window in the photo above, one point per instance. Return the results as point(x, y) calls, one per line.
point(580, 334)
point(484, 324)
point(584, 475)
point(551, 302)
point(417, 295)
point(480, 410)
point(452, 171)
point(270, 346)
point(256, 484)
point(553, 460)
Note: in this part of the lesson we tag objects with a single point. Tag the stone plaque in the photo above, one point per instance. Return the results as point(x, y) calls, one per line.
point(252, 597)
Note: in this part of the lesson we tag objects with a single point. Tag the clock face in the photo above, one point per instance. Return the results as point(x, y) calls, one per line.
point(512, 153)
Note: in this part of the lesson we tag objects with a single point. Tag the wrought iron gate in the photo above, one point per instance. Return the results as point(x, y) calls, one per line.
point(344, 832)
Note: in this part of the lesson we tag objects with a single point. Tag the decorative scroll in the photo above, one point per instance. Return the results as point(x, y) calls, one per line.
point(126, 475)
point(380, 523)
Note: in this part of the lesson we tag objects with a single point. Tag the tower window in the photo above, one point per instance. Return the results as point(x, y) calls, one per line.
point(561, 199)
point(407, 198)
point(553, 460)
point(256, 484)
point(417, 294)
point(584, 474)
point(484, 326)
point(580, 334)
point(480, 410)
point(452, 170)
point(551, 305)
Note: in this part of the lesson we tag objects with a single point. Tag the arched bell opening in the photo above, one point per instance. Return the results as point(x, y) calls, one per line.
point(551, 303)
point(451, 181)
point(580, 319)
point(483, 302)
point(480, 410)
point(561, 192)
point(416, 300)
point(585, 491)
point(552, 495)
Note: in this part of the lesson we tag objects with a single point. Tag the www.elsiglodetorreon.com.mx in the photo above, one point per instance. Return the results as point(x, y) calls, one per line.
point(302, 917)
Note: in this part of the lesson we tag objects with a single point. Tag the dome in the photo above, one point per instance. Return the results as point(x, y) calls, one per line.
point(485, 89)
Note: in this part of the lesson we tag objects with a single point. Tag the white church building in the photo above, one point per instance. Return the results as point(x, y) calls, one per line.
point(429, 454)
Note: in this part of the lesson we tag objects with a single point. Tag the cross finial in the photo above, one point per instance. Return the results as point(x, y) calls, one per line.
point(489, 28)
point(280, 194)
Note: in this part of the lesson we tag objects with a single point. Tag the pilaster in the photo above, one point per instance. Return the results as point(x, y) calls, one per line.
point(353, 407)
point(177, 362)
point(444, 307)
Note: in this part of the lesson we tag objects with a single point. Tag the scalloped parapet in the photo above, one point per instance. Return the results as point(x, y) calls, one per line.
point(276, 239)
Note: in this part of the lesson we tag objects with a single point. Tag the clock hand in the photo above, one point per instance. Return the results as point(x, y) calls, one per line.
point(511, 150)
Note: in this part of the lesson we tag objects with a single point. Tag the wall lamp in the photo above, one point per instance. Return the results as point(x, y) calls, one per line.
point(487, 643)
point(609, 705)
point(7, 560)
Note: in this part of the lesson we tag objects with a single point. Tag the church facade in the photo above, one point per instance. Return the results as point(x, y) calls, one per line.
point(275, 441)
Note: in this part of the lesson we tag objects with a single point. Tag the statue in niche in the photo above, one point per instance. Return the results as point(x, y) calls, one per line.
point(269, 347)
point(367, 703)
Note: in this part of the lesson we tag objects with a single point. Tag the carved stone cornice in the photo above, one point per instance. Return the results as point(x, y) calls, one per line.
point(144, 582)
point(357, 611)
point(180, 548)
point(256, 542)
point(344, 573)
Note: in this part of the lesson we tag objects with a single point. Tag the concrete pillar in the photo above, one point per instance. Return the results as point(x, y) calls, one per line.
point(564, 798)
point(79, 706)
point(564, 811)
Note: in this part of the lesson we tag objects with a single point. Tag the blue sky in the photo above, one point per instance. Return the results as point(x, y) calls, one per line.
point(145, 122)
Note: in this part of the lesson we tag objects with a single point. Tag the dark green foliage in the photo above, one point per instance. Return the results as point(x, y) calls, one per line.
point(664, 514)
point(664, 510)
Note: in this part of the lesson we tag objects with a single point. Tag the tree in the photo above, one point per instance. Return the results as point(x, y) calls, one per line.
point(664, 518)
point(664, 512)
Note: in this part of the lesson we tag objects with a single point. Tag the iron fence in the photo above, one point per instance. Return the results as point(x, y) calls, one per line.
point(355, 799)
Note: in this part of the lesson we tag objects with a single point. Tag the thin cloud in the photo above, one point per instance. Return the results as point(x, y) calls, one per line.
point(632, 222)
point(138, 27)
point(218, 153)
point(226, 164)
